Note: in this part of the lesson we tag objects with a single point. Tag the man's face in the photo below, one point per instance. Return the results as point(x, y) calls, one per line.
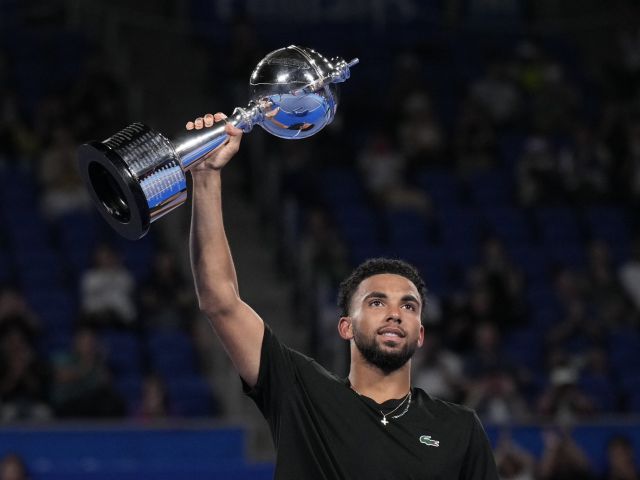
point(385, 320)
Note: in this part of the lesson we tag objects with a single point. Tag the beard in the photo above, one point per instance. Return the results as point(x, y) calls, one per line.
point(386, 361)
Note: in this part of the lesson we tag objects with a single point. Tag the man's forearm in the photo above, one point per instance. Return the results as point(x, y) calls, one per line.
point(211, 262)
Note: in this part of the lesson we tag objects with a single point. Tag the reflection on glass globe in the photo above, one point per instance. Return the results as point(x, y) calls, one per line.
point(282, 83)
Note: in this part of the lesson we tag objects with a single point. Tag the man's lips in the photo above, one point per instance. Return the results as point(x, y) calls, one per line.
point(392, 332)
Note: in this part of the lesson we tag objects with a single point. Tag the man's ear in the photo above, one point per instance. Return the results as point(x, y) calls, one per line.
point(345, 328)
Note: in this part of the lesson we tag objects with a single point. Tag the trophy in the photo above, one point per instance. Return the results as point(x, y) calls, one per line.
point(138, 175)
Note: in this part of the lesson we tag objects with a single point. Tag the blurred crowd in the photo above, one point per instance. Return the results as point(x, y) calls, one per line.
point(73, 377)
point(517, 343)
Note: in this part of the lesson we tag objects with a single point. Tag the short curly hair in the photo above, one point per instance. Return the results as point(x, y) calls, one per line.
point(377, 266)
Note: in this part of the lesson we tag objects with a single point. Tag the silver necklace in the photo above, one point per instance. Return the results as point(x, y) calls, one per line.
point(406, 399)
point(384, 420)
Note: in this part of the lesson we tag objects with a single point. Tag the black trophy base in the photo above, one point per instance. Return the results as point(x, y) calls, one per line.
point(114, 190)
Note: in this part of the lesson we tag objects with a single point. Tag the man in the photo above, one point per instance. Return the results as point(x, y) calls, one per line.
point(371, 425)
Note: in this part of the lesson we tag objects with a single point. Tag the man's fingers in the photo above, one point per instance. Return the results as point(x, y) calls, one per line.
point(208, 120)
point(232, 131)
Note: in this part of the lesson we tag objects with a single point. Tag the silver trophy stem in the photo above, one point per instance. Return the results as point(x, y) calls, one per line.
point(194, 146)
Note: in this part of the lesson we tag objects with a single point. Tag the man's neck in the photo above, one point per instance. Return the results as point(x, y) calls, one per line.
point(370, 381)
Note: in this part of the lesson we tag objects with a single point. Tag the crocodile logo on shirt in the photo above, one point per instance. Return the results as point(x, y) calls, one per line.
point(428, 441)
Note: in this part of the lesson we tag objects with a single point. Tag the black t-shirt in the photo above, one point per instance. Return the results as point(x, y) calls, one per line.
point(322, 429)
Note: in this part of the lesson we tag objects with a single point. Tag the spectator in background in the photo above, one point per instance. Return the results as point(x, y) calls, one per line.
point(166, 298)
point(495, 397)
point(597, 380)
point(499, 95)
point(553, 99)
point(154, 400)
point(602, 282)
point(604, 289)
point(23, 379)
point(626, 61)
point(407, 76)
point(245, 53)
point(98, 100)
point(514, 463)
point(13, 467)
point(562, 400)
point(629, 275)
point(63, 190)
point(82, 382)
point(498, 279)
point(631, 166)
point(554, 104)
point(486, 356)
point(439, 371)
point(539, 175)
point(106, 291)
point(475, 141)
point(5, 69)
point(419, 133)
point(16, 313)
point(570, 287)
point(322, 251)
point(384, 171)
point(578, 329)
point(621, 462)
point(586, 164)
point(18, 144)
point(562, 459)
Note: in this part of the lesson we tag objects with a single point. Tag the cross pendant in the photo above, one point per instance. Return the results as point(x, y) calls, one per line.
point(384, 421)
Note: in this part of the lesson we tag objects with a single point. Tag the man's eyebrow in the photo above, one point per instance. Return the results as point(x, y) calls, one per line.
point(405, 298)
point(410, 298)
point(375, 295)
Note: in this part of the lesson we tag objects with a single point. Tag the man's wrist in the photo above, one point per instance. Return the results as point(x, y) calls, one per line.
point(205, 175)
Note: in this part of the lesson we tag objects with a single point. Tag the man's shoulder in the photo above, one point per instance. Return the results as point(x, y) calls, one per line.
point(443, 409)
point(302, 361)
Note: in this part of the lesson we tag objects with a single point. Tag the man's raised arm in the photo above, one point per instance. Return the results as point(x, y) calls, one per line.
point(238, 326)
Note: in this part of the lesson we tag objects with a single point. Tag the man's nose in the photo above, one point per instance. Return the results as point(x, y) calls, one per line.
point(393, 315)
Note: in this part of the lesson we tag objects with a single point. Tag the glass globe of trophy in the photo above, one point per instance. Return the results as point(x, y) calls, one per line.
point(138, 175)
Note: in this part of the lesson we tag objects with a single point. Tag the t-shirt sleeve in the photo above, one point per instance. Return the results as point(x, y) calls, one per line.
point(275, 376)
point(479, 462)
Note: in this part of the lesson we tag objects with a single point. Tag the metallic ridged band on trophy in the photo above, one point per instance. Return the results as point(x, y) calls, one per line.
point(138, 175)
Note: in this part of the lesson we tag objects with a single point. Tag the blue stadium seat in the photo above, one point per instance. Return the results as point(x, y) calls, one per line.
point(123, 351)
point(341, 185)
point(509, 224)
point(191, 396)
point(78, 236)
point(623, 346)
point(491, 187)
point(460, 227)
point(357, 223)
point(608, 223)
point(511, 146)
point(442, 186)
point(601, 390)
point(524, 348)
point(172, 352)
point(532, 260)
point(406, 228)
point(558, 224)
point(569, 254)
point(56, 308)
